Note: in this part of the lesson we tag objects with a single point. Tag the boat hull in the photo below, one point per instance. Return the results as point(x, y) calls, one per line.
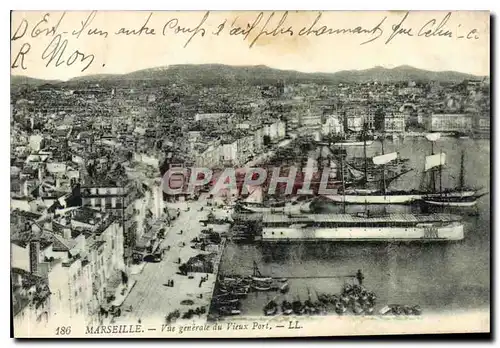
point(451, 204)
point(287, 209)
point(374, 199)
point(453, 231)
point(354, 143)
point(393, 198)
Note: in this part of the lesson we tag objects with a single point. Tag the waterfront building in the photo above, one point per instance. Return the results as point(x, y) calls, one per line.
point(449, 123)
point(482, 123)
point(245, 149)
point(211, 156)
point(394, 122)
point(276, 131)
point(310, 120)
point(258, 140)
point(229, 153)
point(332, 125)
point(119, 200)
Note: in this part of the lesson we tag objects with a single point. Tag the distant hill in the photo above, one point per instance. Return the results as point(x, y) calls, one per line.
point(400, 73)
point(260, 74)
point(24, 80)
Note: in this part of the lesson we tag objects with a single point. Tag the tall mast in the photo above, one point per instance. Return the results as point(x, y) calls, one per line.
point(384, 188)
point(364, 152)
point(461, 182)
point(440, 177)
point(343, 178)
point(433, 177)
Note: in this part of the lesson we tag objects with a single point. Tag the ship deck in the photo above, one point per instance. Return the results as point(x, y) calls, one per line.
point(353, 218)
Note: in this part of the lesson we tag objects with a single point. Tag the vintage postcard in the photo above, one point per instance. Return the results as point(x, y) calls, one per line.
point(249, 174)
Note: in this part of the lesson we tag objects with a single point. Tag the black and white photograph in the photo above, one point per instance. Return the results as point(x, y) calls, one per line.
point(244, 174)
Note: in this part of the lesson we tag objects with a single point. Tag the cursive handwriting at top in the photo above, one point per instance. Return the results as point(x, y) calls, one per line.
point(376, 31)
point(398, 29)
point(278, 30)
point(315, 29)
point(86, 25)
point(430, 29)
point(173, 26)
point(39, 29)
point(264, 25)
point(145, 29)
point(56, 52)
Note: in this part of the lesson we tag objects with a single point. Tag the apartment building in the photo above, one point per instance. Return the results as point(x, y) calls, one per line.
point(449, 123)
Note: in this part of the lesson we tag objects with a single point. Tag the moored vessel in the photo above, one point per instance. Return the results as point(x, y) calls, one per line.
point(362, 227)
point(382, 195)
point(462, 202)
point(353, 143)
point(255, 203)
point(359, 196)
point(286, 307)
point(462, 199)
point(271, 308)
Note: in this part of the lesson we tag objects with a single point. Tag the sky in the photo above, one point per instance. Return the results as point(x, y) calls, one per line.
point(54, 45)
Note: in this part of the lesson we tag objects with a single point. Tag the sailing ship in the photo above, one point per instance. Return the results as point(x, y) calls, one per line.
point(460, 201)
point(259, 281)
point(395, 167)
point(258, 277)
point(384, 196)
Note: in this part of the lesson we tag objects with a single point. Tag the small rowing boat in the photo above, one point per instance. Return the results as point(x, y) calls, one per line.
point(271, 308)
point(286, 308)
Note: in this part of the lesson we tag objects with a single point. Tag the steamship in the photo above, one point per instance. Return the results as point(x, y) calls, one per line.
point(362, 227)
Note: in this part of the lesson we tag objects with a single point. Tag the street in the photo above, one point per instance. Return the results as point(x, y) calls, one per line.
point(150, 296)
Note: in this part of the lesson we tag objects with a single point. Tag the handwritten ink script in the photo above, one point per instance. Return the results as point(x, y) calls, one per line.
point(64, 48)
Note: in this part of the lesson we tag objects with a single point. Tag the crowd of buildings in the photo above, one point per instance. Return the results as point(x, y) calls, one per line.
point(86, 165)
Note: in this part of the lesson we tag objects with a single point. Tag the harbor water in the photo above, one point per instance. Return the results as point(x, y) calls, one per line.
point(436, 276)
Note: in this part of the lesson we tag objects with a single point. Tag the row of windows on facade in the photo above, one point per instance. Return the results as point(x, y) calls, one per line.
point(98, 264)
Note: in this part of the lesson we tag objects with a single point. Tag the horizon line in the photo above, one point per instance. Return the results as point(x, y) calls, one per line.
point(246, 65)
